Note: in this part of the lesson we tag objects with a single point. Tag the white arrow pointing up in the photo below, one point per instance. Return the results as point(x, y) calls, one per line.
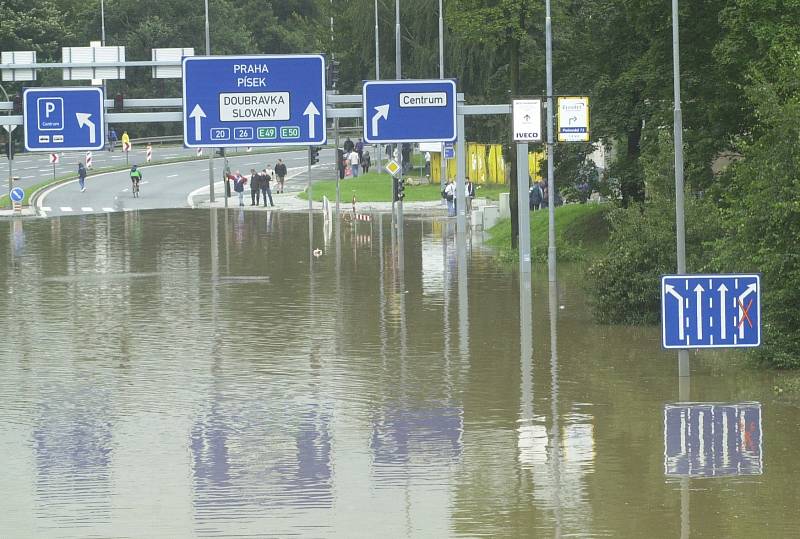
point(83, 119)
point(383, 112)
point(698, 290)
point(671, 291)
point(311, 111)
point(722, 299)
point(198, 114)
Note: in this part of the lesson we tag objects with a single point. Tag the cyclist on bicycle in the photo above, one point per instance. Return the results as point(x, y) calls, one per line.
point(136, 178)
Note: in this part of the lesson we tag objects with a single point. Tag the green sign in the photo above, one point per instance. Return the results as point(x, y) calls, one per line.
point(290, 131)
point(267, 133)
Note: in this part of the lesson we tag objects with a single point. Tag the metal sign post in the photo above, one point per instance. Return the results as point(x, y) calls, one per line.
point(10, 129)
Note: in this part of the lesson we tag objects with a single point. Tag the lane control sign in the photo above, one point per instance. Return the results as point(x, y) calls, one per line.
point(63, 119)
point(711, 311)
point(268, 100)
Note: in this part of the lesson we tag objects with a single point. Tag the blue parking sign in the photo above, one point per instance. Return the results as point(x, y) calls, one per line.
point(58, 119)
point(711, 311)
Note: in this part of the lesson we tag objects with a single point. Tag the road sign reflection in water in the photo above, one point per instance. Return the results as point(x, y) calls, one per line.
point(711, 311)
point(712, 440)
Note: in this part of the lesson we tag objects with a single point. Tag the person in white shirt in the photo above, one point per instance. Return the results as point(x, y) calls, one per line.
point(355, 162)
point(450, 196)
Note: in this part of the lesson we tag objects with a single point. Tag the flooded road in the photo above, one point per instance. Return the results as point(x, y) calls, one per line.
point(189, 373)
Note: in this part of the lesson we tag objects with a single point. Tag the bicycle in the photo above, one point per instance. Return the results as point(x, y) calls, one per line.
point(136, 188)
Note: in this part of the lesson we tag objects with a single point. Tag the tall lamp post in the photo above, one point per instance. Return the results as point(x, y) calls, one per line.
point(211, 151)
point(442, 162)
point(551, 235)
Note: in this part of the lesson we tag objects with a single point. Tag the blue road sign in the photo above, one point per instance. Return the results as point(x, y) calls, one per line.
point(710, 311)
point(712, 440)
point(449, 151)
point(59, 119)
point(16, 194)
point(409, 111)
point(253, 100)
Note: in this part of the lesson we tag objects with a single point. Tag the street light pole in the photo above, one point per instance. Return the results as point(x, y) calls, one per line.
point(683, 355)
point(211, 150)
point(377, 73)
point(442, 161)
point(551, 187)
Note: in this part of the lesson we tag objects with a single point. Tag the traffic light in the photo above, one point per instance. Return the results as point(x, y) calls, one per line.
point(119, 102)
point(313, 155)
point(333, 74)
point(398, 188)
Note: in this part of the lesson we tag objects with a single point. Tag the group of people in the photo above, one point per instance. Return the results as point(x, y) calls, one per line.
point(355, 158)
point(538, 196)
point(449, 194)
point(260, 188)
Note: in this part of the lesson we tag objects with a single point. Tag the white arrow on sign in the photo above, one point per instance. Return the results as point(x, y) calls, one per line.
point(698, 290)
point(311, 111)
point(383, 112)
point(671, 291)
point(198, 114)
point(83, 119)
point(722, 299)
point(749, 290)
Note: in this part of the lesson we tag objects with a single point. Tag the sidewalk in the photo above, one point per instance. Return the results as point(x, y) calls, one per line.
point(291, 202)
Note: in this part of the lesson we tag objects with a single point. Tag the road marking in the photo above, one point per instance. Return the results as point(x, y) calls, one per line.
point(125, 190)
point(44, 170)
point(173, 175)
point(108, 210)
point(46, 208)
point(87, 209)
point(65, 208)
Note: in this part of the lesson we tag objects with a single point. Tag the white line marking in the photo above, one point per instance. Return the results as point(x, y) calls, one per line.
point(45, 169)
point(87, 209)
point(65, 208)
point(46, 208)
point(108, 210)
point(125, 190)
point(173, 175)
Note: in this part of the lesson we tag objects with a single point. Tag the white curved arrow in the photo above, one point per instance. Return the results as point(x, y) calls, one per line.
point(383, 112)
point(198, 114)
point(671, 291)
point(83, 119)
point(311, 111)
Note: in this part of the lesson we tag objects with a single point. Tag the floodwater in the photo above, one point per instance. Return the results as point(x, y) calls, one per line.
point(202, 373)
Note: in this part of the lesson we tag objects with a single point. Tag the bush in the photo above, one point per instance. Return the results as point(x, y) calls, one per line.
point(624, 283)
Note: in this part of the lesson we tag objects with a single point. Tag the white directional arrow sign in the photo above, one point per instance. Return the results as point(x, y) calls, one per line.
point(671, 291)
point(310, 112)
point(698, 290)
point(382, 112)
point(198, 114)
point(83, 120)
point(722, 308)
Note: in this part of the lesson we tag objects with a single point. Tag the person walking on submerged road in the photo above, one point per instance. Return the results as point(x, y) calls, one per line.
point(450, 196)
point(266, 177)
point(280, 173)
point(255, 187)
point(82, 176)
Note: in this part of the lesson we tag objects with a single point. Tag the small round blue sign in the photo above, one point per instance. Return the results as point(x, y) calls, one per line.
point(17, 194)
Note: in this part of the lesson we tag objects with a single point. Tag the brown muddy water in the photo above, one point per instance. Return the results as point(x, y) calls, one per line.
point(205, 374)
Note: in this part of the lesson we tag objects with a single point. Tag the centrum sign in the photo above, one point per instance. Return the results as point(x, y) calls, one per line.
point(266, 100)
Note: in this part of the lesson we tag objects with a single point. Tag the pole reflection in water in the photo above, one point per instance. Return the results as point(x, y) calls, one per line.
point(555, 431)
point(463, 295)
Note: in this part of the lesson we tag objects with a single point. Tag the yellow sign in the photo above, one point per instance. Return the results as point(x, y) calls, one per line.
point(392, 167)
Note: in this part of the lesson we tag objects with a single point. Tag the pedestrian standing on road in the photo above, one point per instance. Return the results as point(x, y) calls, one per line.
point(366, 161)
point(280, 174)
point(82, 176)
point(355, 161)
point(112, 137)
point(359, 148)
point(470, 194)
point(126, 141)
point(348, 146)
point(238, 186)
point(266, 177)
point(450, 196)
point(255, 187)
